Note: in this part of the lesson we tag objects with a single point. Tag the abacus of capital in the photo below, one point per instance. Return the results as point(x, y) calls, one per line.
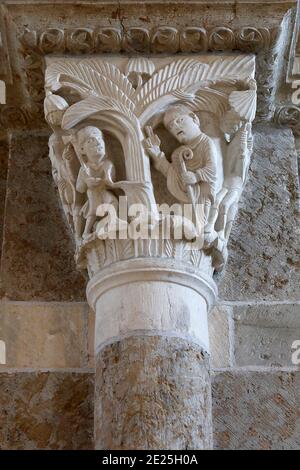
point(171, 132)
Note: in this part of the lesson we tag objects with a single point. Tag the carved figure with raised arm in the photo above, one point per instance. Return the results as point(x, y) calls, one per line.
point(236, 164)
point(95, 175)
point(192, 175)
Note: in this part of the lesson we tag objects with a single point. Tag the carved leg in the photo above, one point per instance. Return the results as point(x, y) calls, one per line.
point(225, 206)
point(91, 219)
point(78, 225)
point(230, 219)
point(210, 233)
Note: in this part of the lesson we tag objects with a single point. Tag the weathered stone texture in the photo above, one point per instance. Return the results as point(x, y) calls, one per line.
point(46, 410)
point(256, 410)
point(46, 334)
point(152, 393)
point(91, 338)
point(219, 336)
point(54, 410)
point(264, 334)
point(3, 176)
point(264, 255)
point(37, 260)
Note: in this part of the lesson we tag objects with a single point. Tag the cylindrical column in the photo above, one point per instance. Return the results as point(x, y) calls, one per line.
point(152, 386)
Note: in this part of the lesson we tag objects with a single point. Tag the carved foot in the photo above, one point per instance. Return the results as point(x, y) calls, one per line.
point(209, 237)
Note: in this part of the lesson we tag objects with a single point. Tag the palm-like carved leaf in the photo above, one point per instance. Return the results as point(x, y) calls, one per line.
point(189, 75)
point(99, 79)
point(206, 99)
point(93, 105)
point(224, 69)
point(174, 76)
point(113, 73)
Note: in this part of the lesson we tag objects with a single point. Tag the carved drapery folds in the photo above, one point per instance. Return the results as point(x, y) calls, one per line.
point(131, 135)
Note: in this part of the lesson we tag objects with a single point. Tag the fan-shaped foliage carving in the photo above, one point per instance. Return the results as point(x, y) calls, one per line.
point(174, 76)
point(93, 105)
point(91, 78)
point(191, 76)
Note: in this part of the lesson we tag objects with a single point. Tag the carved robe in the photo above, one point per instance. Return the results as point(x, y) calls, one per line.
point(203, 164)
point(99, 194)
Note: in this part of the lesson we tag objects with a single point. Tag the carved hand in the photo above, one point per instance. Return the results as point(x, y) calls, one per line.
point(189, 178)
point(152, 143)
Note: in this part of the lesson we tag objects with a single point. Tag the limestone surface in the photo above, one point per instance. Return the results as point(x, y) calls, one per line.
point(3, 176)
point(256, 410)
point(264, 255)
point(46, 410)
point(44, 334)
point(264, 334)
point(172, 410)
point(219, 326)
point(37, 261)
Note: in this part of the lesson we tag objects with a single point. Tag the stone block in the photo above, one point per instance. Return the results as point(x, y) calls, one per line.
point(264, 255)
point(256, 411)
point(44, 334)
point(264, 334)
point(46, 410)
point(219, 336)
point(37, 261)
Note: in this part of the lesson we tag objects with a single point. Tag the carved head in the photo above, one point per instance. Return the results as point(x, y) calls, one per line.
point(182, 123)
point(54, 108)
point(91, 144)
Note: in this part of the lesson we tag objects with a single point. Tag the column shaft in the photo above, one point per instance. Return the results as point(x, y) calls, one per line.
point(152, 392)
point(152, 365)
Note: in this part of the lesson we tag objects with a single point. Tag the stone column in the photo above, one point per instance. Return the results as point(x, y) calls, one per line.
point(173, 131)
point(152, 356)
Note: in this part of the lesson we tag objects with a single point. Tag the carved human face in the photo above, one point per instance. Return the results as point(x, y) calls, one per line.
point(94, 147)
point(184, 128)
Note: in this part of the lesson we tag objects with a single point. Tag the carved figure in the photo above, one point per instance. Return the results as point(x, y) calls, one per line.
point(95, 175)
point(236, 164)
point(192, 173)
